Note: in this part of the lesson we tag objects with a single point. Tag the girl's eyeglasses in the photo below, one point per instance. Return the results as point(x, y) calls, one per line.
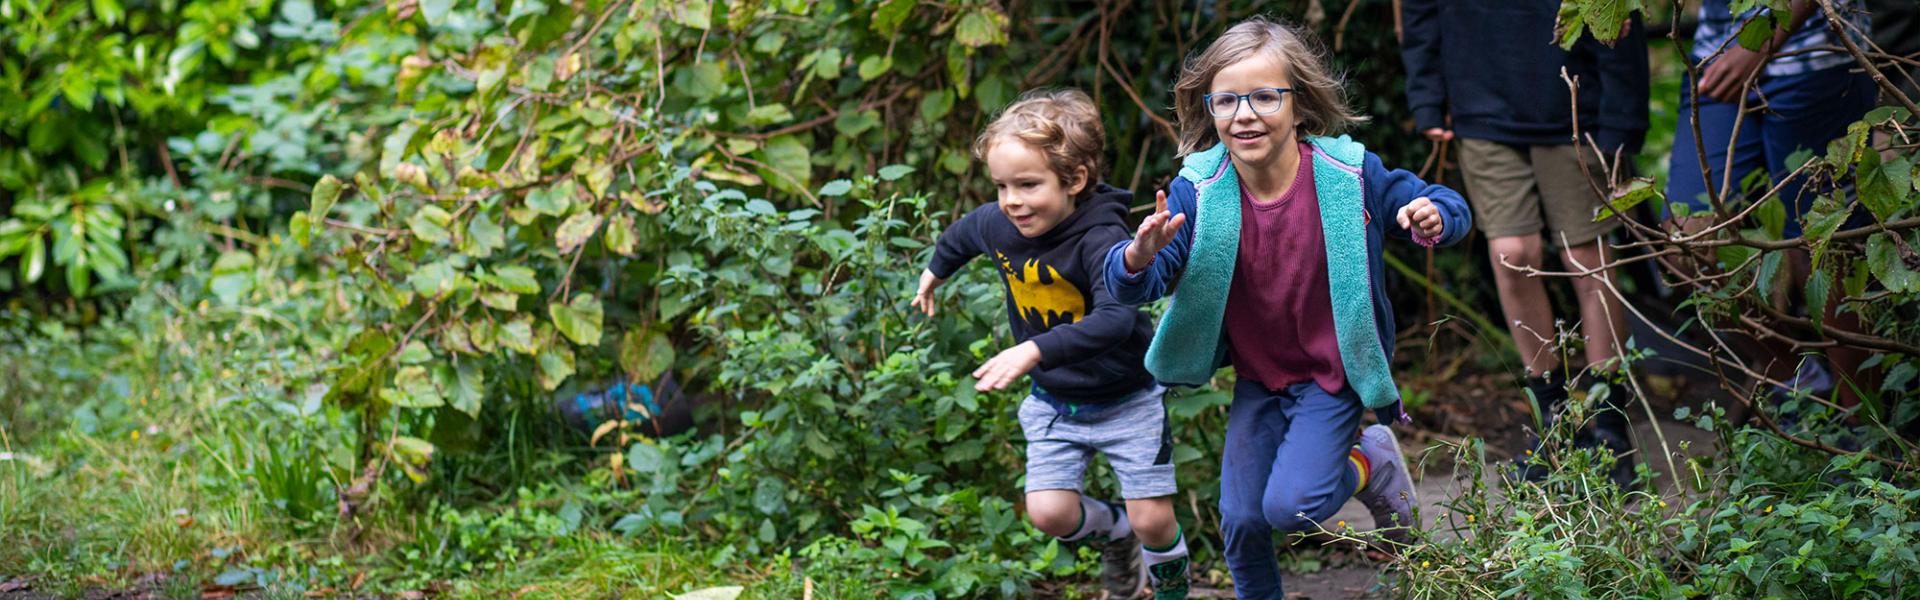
point(1224, 105)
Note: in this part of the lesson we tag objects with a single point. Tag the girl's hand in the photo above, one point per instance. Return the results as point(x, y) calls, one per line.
point(923, 299)
point(1421, 217)
point(1006, 366)
point(1154, 233)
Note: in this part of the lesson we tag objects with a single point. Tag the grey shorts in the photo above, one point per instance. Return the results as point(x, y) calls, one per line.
point(1133, 433)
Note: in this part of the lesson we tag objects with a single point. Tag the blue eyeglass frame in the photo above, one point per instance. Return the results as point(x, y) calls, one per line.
point(1246, 99)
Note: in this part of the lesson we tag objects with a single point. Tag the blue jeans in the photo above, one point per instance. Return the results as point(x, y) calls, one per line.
point(1285, 467)
point(1802, 112)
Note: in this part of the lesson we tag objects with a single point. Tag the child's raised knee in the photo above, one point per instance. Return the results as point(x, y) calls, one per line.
point(1057, 515)
point(1296, 511)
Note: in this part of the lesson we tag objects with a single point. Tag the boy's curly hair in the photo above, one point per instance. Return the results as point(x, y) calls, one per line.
point(1318, 93)
point(1063, 125)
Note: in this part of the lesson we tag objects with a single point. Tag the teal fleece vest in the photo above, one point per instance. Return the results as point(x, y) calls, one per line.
point(1188, 347)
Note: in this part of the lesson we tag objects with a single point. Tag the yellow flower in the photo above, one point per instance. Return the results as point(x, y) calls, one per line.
point(1425, 564)
point(1340, 524)
point(135, 434)
point(1469, 518)
point(1769, 509)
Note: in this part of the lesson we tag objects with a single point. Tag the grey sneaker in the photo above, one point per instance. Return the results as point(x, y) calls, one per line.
point(1389, 492)
point(1123, 573)
point(1172, 580)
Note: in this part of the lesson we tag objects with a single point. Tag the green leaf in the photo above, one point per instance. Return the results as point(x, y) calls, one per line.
point(837, 187)
point(513, 278)
point(1757, 32)
point(790, 157)
point(1884, 257)
point(556, 365)
point(621, 236)
point(1819, 287)
point(517, 335)
point(1769, 274)
point(325, 193)
point(232, 276)
point(575, 231)
point(433, 279)
point(435, 11)
point(1885, 188)
point(981, 27)
point(873, 67)
point(826, 63)
point(1772, 215)
point(108, 11)
point(935, 105)
point(1638, 190)
point(483, 237)
point(853, 123)
point(413, 455)
point(430, 224)
point(645, 355)
point(769, 114)
point(579, 319)
point(891, 13)
point(644, 458)
point(895, 172)
point(697, 14)
point(413, 388)
point(467, 389)
point(700, 82)
point(552, 201)
point(300, 228)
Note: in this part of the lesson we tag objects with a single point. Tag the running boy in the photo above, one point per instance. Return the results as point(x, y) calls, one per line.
point(1048, 234)
point(1273, 232)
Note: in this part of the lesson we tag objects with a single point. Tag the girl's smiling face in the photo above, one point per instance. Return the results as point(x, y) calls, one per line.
point(1256, 140)
point(1031, 196)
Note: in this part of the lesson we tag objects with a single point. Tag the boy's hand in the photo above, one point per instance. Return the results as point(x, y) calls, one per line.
point(923, 299)
point(1421, 217)
point(1006, 366)
point(1154, 233)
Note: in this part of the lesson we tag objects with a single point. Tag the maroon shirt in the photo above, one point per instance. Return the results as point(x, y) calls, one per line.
point(1279, 317)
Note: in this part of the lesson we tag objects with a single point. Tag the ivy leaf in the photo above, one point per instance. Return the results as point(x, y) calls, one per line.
point(552, 201)
point(575, 231)
point(700, 82)
point(645, 355)
point(433, 279)
point(579, 319)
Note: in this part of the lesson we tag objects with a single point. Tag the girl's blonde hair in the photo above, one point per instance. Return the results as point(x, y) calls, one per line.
point(1319, 95)
point(1062, 124)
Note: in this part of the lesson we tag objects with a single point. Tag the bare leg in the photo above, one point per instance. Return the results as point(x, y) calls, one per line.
point(1153, 521)
point(1529, 313)
point(1054, 512)
point(1602, 318)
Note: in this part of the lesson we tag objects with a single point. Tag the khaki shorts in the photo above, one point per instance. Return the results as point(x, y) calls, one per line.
point(1510, 186)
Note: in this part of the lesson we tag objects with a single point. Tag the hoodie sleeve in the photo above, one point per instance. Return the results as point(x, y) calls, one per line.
point(962, 241)
point(1149, 285)
point(1420, 54)
point(1107, 324)
point(1623, 89)
point(1391, 190)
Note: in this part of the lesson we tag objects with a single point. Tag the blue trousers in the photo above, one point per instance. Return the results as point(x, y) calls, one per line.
point(1285, 467)
point(1801, 112)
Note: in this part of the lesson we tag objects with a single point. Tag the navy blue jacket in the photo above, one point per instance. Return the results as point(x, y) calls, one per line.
point(1494, 65)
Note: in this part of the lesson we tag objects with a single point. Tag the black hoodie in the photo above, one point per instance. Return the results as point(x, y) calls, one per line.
point(1086, 355)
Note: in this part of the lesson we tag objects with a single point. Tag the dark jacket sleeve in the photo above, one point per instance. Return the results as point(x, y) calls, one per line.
point(962, 241)
point(1393, 189)
point(1107, 324)
point(1149, 285)
point(1623, 89)
point(1420, 53)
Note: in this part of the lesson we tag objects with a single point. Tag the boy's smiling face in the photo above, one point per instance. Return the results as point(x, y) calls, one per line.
point(1031, 196)
point(1255, 140)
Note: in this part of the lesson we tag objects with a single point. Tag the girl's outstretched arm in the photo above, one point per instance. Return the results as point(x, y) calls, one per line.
point(1392, 191)
point(1170, 228)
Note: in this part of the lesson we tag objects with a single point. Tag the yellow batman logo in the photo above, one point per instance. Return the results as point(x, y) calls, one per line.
point(1044, 298)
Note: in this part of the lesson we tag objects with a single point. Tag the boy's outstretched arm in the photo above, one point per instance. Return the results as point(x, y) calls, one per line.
point(1162, 242)
point(1428, 213)
point(958, 244)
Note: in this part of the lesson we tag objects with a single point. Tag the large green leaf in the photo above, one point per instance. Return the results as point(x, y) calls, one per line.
point(791, 161)
point(645, 355)
point(579, 319)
